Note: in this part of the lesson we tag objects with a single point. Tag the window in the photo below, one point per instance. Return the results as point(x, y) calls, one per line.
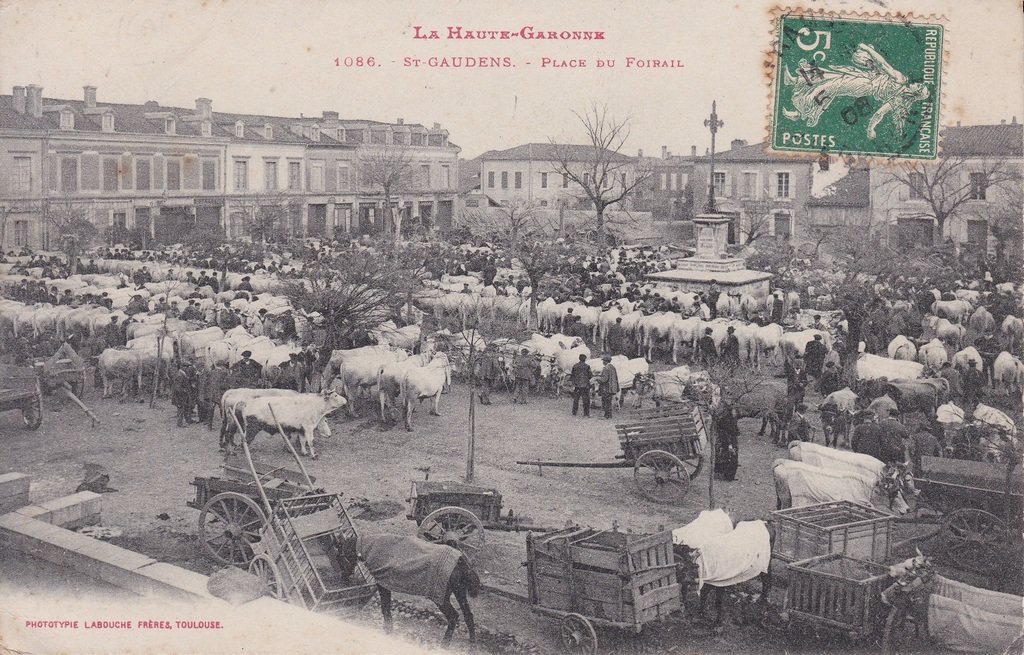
point(241, 175)
point(294, 175)
point(69, 174)
point(239, 129)
point(398, 139)
point(344, 181)
point(169, 127)
point(979, 184)
point(664, 181)
point(110, 174)
point(173, 175)
point(209, 174)
point(684, 179)
point(119, 220)
point(315, 133)
point(316, 176)
point(543, 180)
point(142, 167)
point(749, 189)
point(565, 180)
point(206, 128)
point(490, 179)
point(67, 120)
point(20, 233)
point(425, 175)
point(21, 176)
point(915, 181)
point(446, 176)
point(673, 181)
point(782, 185)
point(719, 184)
point(504, 179)
point(519, 180)
point(107, 122)
point(270, 175)
point(268, 131)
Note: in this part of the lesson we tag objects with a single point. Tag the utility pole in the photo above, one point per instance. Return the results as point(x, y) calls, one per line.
point(713, 124)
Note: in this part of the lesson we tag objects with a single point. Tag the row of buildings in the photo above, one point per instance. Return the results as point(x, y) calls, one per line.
point(151, 173)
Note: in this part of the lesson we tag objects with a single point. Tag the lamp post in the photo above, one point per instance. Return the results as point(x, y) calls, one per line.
point(713, 124)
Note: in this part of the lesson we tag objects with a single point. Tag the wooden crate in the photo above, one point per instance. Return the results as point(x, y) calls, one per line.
point(618, 578)
point(681, 435)
point(838, 593)
point(427, 496)
point(843, 527)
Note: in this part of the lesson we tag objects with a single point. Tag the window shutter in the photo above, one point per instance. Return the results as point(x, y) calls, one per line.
point(126, 172)
point(52, 173)
point(91, 172)
point(158, 172)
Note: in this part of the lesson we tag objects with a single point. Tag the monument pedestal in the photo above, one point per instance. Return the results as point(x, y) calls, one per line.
point(708, 266)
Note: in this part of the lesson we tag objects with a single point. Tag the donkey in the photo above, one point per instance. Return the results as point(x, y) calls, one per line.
point(384, 555)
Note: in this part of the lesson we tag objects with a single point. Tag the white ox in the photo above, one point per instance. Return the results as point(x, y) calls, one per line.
point(795, 343)
point(969, 354)
point(389, 380)
point(119, 364)
point(933, 354)
point(902, 348)
point(1008, 372)
point(873, 367)
point(234, 397)
point(298, 416)
point(358, 374)
point(424, 382)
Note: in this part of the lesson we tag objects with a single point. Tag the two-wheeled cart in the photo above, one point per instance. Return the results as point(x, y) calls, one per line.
point(20, 390)
point(664, 446)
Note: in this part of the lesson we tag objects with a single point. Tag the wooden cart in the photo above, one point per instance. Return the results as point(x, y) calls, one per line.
point(601, 578)
point(230, 511)
point(664, 446)
point(292, 558)
point(20, 390)
point(842, 527)
point(838, 594)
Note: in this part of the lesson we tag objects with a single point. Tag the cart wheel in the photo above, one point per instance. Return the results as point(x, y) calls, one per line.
point(264, 568)
point(974, 537)
point(578, 635)
point(228, 526)
point(454, 526)
point(32, 415)
point(661, 476)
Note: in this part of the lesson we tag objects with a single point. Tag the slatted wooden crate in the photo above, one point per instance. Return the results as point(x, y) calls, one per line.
point(426, 496)
point(857, 531)
point(838, 593)
point(678, 429)
point(617, 578)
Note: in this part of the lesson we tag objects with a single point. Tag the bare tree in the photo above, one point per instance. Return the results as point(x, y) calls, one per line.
point(386, 170)
point(270, 215)
point(544, 261)
point(68, 222)
point(947, 184)
point(508, 223)
point(759, 220)
point(1004, 218)
point(604, 175)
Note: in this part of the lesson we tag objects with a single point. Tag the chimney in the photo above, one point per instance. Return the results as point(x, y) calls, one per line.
point(204, 107)
point(738, 143)
point(668, 154)
point(958, 123)
point(90, 96)
point(19, 99)
point(693, 151)
point(664, 152)
point(400, 121)
point(1013, 121)
point(35, 100)
point(640, 153)
point(330, 115)
point(437, 126)
point(1002, 122)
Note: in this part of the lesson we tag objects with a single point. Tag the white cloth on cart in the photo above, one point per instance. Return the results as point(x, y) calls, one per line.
point(809, 484)
point(835, 459)
point(966, 619)
point(708, 526)
point(737, 556)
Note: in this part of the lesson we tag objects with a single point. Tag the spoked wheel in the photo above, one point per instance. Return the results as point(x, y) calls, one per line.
point(693, 465)
point(578, 635)
point(228, 526)
point(456, 527)
point(264, 568)
point(661, 476)
point(974, 538)
point(32, 415)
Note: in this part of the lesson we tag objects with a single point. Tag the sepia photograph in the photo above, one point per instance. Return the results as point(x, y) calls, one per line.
point(511, 328)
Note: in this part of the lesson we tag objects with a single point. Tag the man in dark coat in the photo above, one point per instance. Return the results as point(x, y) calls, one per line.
point(731, 347)
point(952, 376)
point(580, 378)
point(245, 285)
point(215, 383)
point(617, 337)
point(607, 385)
point(831, 379)
point(112, 334)
point(778, 305)
point(706, 348)
point(894, 439)
point(184, 388)
point(814, 356)
point(796, 380)
point(490, 272)
point(712, 298)
point(974, 382)
point(727, 447)
point(490, 372)
point(523, 368)
point(867, 437)
point(247, 372)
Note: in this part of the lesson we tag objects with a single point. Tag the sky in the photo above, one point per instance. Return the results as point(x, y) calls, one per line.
point(278, 57)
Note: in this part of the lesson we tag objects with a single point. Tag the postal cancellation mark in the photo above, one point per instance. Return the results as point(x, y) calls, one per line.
point(857, 86)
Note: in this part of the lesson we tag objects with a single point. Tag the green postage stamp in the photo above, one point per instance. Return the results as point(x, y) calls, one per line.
point(868, 86)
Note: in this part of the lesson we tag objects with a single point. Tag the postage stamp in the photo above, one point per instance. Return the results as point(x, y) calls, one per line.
point(867, 86)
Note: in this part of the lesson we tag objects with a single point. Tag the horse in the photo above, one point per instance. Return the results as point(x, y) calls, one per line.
point(381, 555)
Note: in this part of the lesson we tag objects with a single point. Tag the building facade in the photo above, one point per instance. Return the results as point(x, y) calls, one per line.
point(669, 196)
point(151, 173)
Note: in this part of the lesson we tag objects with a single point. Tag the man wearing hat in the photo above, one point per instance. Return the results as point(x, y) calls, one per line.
point(814, 356)
point(490, 372)
point(706, 348)
point(191, 312)
point(580, 377)
point(731, 347)
point(136, 306)
point(973, 382)
point(245, 285)
point(247, 372)
point(524, 374)
point(831, 379)
point(607, 385)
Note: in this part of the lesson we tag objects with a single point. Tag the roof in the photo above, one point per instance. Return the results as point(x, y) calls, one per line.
point(132, 119)
point(1005, 140)
point(757, 152)
point(469, 174)
point(548, 152)
point(852, 190)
